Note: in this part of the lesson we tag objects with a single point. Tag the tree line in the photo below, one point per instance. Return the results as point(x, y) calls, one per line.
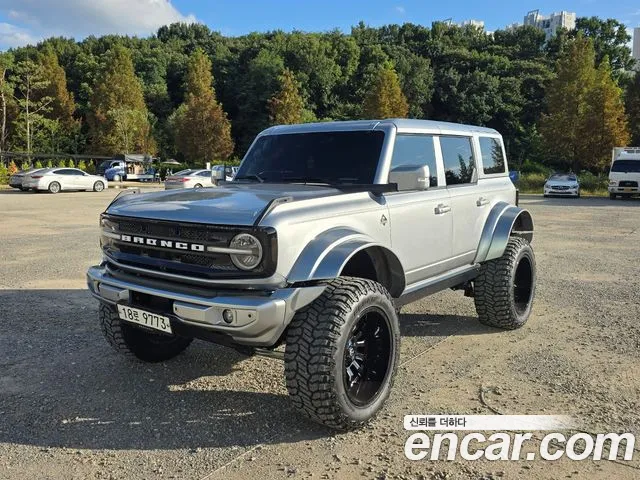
point(195, 95)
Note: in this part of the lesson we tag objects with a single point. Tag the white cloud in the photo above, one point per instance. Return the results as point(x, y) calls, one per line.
point(12, 36)
point(79, 18)
point(400, 9)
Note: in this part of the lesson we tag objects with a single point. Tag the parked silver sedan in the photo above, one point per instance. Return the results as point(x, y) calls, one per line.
point(16, 179)
point(56, 179)
point(189, 179)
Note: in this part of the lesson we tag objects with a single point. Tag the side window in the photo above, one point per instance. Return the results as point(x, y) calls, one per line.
point(64, 171)
point(416, 150)
point(206, 173)
point(492, 155)
point(457, 156)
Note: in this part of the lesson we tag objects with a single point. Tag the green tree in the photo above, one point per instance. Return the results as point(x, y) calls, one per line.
point(119, 90)
point(632, 103)
point(31, 84)
point(567, 102)
point(385, 99)
point(203, 132)
point(610, 40)
point(286, 107)
point(4, 174)
point(38, 164)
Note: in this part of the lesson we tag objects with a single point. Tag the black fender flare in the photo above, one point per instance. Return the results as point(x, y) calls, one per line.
point(503, 221)
point(326, 255)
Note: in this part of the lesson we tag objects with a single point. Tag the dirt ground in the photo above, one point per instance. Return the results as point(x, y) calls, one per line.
point(71, 408)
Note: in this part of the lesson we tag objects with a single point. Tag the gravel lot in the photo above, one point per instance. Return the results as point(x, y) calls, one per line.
point(72, 408)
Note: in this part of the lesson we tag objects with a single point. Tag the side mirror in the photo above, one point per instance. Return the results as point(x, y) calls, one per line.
point(410, 177)
point(217, 174)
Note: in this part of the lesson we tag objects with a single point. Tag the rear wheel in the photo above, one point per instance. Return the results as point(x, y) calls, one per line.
point(135, 342)
point(342, 353)
point(197, 185)
point(54, 187)
point(98, 186)
point(505, 287)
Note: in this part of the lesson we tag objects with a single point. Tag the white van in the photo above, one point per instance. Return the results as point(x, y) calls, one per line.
point(624, 176)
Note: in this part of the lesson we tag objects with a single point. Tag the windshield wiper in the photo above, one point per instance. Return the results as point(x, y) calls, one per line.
point(252, 176)
point(323, 181)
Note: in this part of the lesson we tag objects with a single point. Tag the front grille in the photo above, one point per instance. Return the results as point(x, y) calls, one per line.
point(560, 187)
point(198, 264)
point(628, 183)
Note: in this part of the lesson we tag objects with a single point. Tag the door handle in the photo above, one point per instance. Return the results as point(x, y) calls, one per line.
point(442, 209)
point(482, 202)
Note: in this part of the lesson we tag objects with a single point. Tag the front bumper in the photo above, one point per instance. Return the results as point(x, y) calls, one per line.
point(622, 190)
point(259, 317)
point(571, 192)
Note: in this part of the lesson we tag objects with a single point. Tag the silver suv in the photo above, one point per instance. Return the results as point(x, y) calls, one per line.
point(325, 232)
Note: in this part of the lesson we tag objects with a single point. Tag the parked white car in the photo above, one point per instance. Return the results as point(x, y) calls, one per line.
point(565, 184)
point(189, 179)
point(15, 181)
point(55, 180)
point(624, 176)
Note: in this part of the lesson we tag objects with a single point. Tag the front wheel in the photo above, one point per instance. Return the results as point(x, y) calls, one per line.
point(98, 186)
point(505, 287)
point(197, 185)
point(612, 196)
point(135, 342)
point(342, 353)
point(117, 178)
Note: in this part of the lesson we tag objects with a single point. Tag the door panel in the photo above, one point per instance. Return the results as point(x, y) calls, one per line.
point(421, 229)
point(470, 205)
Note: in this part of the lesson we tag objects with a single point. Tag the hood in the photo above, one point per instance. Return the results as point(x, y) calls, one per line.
point(233, 204)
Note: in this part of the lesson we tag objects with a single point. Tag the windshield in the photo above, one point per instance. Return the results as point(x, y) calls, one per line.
point(318, 157)
point(626, 166)
point(562, 177)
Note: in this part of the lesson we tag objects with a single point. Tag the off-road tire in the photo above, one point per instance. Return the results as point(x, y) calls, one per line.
point(53, 188)
point(98, 186)
point(134, 342)
point(316, 343)
point(498, 303)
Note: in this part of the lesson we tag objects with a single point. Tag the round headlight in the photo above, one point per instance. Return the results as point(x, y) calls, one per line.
point(251, 254)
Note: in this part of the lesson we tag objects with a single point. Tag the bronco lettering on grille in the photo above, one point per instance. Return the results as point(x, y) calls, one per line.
point(154, 242)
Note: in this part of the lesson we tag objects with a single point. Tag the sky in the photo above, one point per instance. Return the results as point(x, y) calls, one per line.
point(29, 21)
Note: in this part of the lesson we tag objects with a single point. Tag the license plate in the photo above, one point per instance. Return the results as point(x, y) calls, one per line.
point(148, 319)
point(627, 189)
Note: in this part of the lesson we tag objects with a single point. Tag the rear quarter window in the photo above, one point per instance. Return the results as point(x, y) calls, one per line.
point(492, 155)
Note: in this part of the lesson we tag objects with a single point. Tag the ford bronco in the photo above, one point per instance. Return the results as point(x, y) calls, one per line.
point(326, 231)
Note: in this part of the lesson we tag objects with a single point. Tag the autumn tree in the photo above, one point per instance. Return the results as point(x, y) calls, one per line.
point(605, 125)
point(632, 102)
point(385, 98)
point(567, 100)
point(202, 130)
point(6, 97)
point(286, 106)
point(117, 105)
point(62, 105)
